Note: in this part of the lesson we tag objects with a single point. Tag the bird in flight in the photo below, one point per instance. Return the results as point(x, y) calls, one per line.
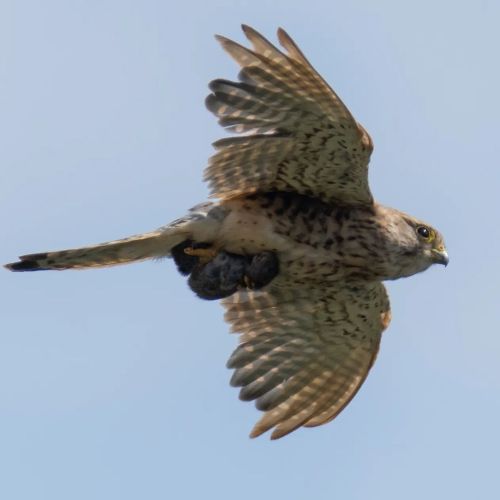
point(294, 245)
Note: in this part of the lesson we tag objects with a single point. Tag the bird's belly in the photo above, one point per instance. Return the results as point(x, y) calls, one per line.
point(248, 233)
point(309, 247)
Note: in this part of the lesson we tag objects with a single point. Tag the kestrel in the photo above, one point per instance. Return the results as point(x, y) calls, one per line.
point(295, 245)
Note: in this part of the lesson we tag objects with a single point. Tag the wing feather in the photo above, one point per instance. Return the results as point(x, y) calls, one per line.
point(299, 136)
point(304, 353)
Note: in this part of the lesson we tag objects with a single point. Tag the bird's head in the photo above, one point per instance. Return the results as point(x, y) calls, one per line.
point(431, 244)
point(422, 246)
point(413, 244)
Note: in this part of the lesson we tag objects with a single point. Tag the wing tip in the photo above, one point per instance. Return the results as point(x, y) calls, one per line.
point(281, 33)
point(257, 431)
point(250, 32)
point(222, 39)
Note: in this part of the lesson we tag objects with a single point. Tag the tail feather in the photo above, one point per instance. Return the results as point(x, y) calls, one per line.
point(200, 224)
point(135, 248)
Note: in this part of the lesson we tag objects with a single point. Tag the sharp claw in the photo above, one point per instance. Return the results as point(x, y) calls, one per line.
point(248, 282)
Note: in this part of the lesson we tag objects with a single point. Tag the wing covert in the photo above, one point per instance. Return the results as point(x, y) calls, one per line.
point(304, 353)
point(298, 136)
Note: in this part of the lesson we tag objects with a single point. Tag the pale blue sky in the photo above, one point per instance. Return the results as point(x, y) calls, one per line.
point(113, 383)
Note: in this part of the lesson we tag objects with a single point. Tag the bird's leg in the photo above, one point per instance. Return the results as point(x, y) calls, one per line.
point(185, 262)
point(204, 254)
point(189, 254)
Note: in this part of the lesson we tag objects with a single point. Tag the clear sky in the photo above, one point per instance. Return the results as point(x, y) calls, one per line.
point(113, 382)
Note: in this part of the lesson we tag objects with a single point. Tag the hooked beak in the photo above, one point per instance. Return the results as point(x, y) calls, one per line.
point(440, 256)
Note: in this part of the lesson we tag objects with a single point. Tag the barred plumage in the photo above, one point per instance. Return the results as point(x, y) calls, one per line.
point(304, 352)
point(295, 244)
point(301, 137)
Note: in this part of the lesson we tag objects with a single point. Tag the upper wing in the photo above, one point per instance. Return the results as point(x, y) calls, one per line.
point(298, 135)
point(304, 353)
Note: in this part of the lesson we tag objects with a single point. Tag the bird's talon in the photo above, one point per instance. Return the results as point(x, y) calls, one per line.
point(204, 254)
point(248, 282)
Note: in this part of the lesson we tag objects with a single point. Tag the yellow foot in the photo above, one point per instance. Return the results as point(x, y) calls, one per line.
point(204, 254)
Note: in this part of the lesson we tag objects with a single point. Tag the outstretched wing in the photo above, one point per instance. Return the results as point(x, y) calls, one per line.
point(297, 134)
point(304, 353)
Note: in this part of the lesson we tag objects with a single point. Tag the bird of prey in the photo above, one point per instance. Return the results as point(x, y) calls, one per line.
point(294, 242)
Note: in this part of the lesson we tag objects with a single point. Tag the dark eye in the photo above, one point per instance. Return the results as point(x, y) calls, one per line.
point(423, 231)
point(426, 233)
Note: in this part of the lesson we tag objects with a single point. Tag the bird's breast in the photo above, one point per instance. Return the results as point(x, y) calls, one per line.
point(314, 241)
